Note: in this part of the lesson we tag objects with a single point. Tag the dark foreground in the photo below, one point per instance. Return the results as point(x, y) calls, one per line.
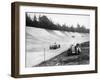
point(64, 59)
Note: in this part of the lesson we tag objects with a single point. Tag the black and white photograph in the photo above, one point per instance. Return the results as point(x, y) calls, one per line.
point(52, 39)
point(55, 39)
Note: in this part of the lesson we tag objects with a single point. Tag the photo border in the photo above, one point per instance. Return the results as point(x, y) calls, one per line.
point(15, 32)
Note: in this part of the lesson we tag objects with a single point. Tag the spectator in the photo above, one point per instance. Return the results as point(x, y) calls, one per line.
point(78, 49)
point(73, 49)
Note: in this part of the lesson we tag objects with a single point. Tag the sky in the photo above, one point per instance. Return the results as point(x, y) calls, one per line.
point(68, 19)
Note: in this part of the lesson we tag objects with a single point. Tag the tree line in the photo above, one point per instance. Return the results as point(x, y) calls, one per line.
point(46, 23)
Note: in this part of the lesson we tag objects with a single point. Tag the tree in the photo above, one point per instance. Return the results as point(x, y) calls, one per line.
point(35, 22)
point(28, 21)
point(44, 22)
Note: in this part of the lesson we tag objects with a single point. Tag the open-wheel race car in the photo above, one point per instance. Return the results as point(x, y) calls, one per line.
point(54, 46)
point(74, 50)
